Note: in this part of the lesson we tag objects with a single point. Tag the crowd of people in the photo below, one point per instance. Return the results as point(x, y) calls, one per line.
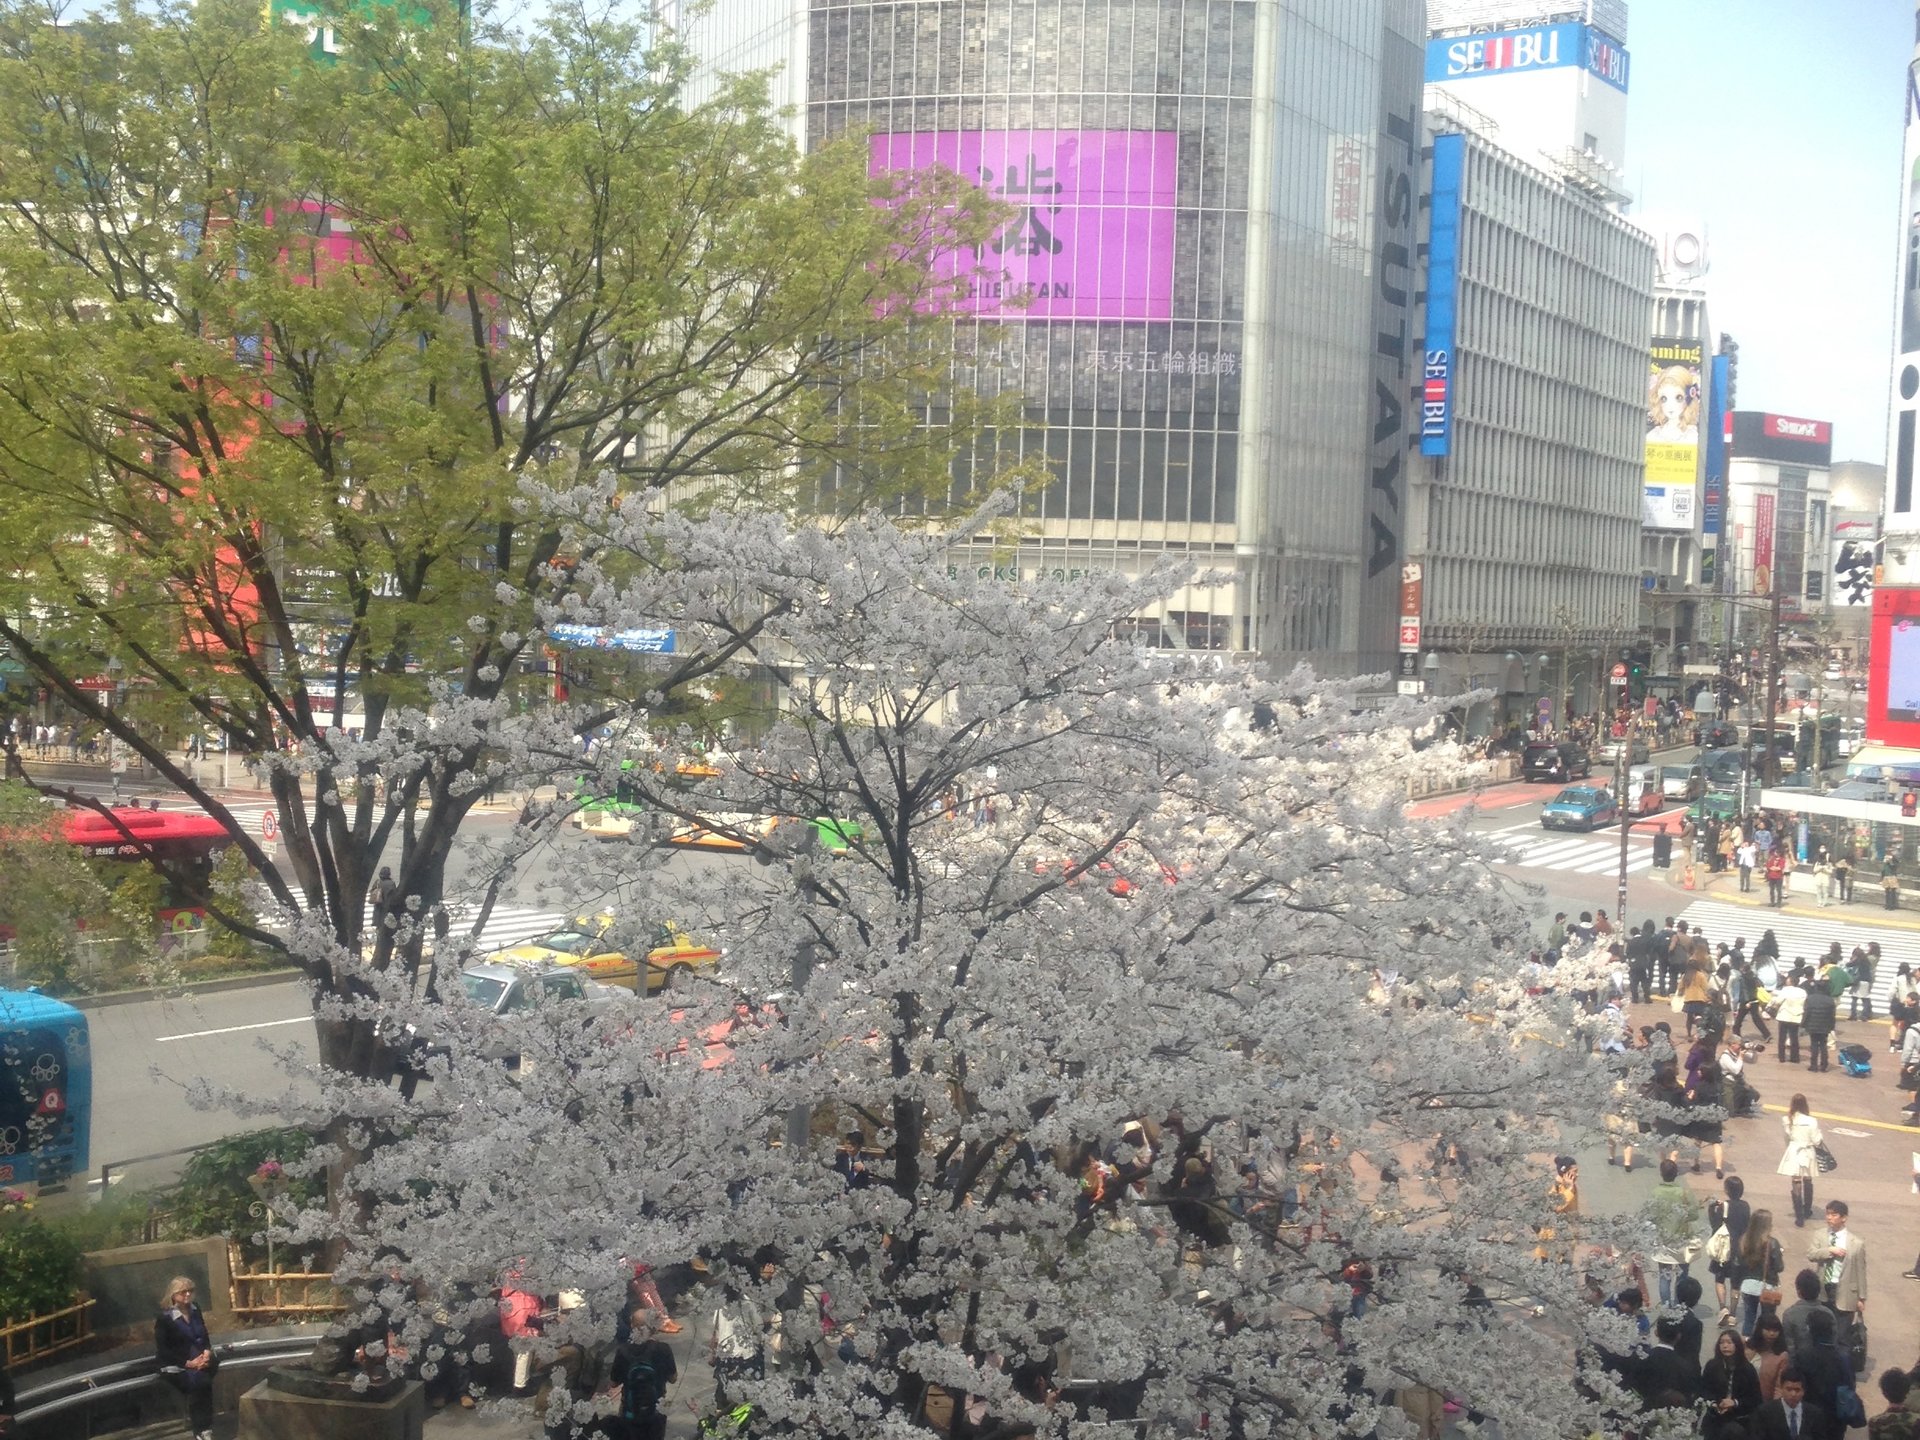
point(1788, 1356)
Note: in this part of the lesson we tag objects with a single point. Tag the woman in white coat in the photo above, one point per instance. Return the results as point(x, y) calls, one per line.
point(1798, 1163)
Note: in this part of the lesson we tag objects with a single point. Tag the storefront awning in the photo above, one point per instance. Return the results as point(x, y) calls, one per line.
point(1885, 762)
point(1839, 806)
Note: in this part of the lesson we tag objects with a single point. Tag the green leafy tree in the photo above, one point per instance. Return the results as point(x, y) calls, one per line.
point(284, 334)
point(49, 890)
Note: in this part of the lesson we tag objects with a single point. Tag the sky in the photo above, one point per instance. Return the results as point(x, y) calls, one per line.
point(1778, 123)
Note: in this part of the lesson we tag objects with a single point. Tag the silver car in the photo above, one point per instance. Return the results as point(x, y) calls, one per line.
point(1683, 782)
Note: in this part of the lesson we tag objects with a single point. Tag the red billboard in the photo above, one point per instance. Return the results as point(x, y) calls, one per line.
point(1788, 427)
point(1763, 543)
point(1893, 669)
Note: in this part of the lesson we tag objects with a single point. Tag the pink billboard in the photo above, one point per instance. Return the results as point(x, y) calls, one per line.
point(1093, 236)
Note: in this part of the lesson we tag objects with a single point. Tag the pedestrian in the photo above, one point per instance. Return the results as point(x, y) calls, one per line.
point(1750, 1007)
point(1890, 883)
point(1843, 877)
point(1735, 1095)
point(1674, 961)
point(1797, 1317)
point(1798, 1162)
point(1766, 960)
point(1746, 855)
point(7, 1403)
point(1789, 1005)
point(1842, 1258)
point(1767, 1347)
point(185, 1351)
point(1818, 1015)
point(1909, 1076)
point(643, 1368)
point(1823, 878)
point(1777, 877)
point(1733, 1215)
point(1729, 1387)
point(1860, 993)
point(1696, 989)
point(1640, 950)
point(1896, 1422)
point(381, 891)
point(1674, 1212)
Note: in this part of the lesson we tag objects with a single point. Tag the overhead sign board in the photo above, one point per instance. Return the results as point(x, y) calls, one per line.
point(1438, 364)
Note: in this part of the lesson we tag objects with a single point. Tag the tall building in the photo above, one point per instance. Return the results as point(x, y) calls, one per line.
point(1527, 517)
point(1528, 512)
point(1207, 296)
point(1779, 518)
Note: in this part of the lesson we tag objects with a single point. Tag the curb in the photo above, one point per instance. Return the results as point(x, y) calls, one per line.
point(191, 987)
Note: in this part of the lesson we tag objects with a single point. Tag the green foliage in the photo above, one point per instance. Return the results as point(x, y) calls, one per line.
point(215, 1196)
point(118, 1218)
point(39, 1267)
point(232, 881)
point(49, 888)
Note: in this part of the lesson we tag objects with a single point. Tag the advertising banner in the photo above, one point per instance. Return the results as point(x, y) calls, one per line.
point(1092, 236)
point(1763, 543)
point(1412, 583)
point(1713, 508)
point(1443, 285)
point(1674, 409)
point(1906, 349)
point(1532, 47)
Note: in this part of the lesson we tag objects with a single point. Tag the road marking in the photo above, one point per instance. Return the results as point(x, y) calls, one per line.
point(232, 1029)
point(1851, 1134)
point(1850, 1119)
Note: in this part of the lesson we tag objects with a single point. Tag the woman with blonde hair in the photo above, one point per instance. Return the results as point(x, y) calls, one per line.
point(1800, 1163)
point(1673, 406)
point(185, 1352)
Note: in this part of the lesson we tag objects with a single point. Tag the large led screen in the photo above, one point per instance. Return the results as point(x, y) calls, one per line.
point(1091, 236)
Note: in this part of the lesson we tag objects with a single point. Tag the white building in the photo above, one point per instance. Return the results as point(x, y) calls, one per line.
point(1779, 518)
point(1527, 516)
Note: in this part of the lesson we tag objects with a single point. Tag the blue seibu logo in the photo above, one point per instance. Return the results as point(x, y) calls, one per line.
point(1538, 47)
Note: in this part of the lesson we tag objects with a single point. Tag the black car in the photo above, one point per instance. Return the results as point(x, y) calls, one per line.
point(1724, 768)
point(1555, 760)
point(1719, 735)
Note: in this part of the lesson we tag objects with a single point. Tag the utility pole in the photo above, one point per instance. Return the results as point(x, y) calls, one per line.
point(1626, 826)
point(1770, 775)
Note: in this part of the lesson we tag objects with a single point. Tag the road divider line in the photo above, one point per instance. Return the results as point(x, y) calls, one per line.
point(231, 1029)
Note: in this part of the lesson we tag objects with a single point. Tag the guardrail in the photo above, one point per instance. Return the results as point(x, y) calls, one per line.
point(71, 1399)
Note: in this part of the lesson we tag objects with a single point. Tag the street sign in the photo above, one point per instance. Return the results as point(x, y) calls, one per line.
point(1619, 670)
point(269, 826)
point(1652, 707)
point(1409, 633)
point(1412, 687)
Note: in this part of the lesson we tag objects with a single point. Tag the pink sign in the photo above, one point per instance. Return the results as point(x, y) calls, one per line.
point(1093, 237)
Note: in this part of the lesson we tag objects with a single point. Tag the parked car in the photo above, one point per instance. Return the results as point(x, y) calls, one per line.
point(1683, 782)
point(1638, 752)
point(1644, 795)
point(1557, 760)
point(1580, 807)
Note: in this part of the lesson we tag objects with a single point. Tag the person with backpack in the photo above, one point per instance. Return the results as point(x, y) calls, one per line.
point(643, 1368)
point(1817, 1018)
point(1863, 963)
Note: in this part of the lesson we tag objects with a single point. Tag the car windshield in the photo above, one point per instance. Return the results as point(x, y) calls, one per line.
point(1676, 772)
point(483, 990)
point(1576, 795)
point(567, 942)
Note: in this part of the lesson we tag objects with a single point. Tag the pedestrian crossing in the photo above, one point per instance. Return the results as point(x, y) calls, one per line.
point(1596, 852)
point(1806, 937)
point(507, 925)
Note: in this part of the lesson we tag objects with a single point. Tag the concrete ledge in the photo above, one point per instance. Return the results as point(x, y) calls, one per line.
point(269, 1414)
point(188, 987)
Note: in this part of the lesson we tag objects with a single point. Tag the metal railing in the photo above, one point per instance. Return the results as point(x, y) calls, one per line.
point(71, 1395)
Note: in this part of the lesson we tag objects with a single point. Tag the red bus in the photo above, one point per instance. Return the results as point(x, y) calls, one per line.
point(189, 843)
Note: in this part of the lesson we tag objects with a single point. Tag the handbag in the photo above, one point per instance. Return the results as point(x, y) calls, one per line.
point(1823, 1157)
point(1719, 1246)
point(1909, 1076)
point(1679, 1005)
point(1753, 1285)
point(1857, 1346)
point(1770, 1296)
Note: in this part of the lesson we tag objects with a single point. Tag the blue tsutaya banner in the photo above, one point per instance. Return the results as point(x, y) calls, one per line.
point(1712, 509)
point(1438, 363)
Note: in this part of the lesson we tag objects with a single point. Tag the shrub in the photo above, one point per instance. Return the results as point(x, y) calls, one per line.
point(215, 1196)
point(39, 1266)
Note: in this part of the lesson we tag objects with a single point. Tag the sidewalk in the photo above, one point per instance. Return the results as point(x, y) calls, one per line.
point(141, 784)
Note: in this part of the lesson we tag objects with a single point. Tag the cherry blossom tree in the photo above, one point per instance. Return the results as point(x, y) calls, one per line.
point(1097, 927)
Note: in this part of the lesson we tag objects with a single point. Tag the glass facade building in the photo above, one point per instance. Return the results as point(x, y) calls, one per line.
point(1214, 243)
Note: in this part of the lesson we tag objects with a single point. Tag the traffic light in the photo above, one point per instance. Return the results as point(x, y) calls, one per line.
point(1855, 569)
point(1909, 803)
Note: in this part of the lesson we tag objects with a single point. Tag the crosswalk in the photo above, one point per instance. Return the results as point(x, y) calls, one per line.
point(1596, 852)
point(1806, 937)
point(506, 925)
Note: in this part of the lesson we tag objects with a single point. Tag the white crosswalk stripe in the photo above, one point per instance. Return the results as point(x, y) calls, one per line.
point(1595, 853)
point(1806, 937)
point(506, 925)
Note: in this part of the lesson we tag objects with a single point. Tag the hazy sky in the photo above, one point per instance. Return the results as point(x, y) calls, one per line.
point(1778, 124)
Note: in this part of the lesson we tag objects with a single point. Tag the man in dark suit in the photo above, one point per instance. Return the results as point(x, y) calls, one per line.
point(1790, 1415)
point(1663, 1378)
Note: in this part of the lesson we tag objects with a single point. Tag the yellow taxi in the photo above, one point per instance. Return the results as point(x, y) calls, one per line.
point(672, 956)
